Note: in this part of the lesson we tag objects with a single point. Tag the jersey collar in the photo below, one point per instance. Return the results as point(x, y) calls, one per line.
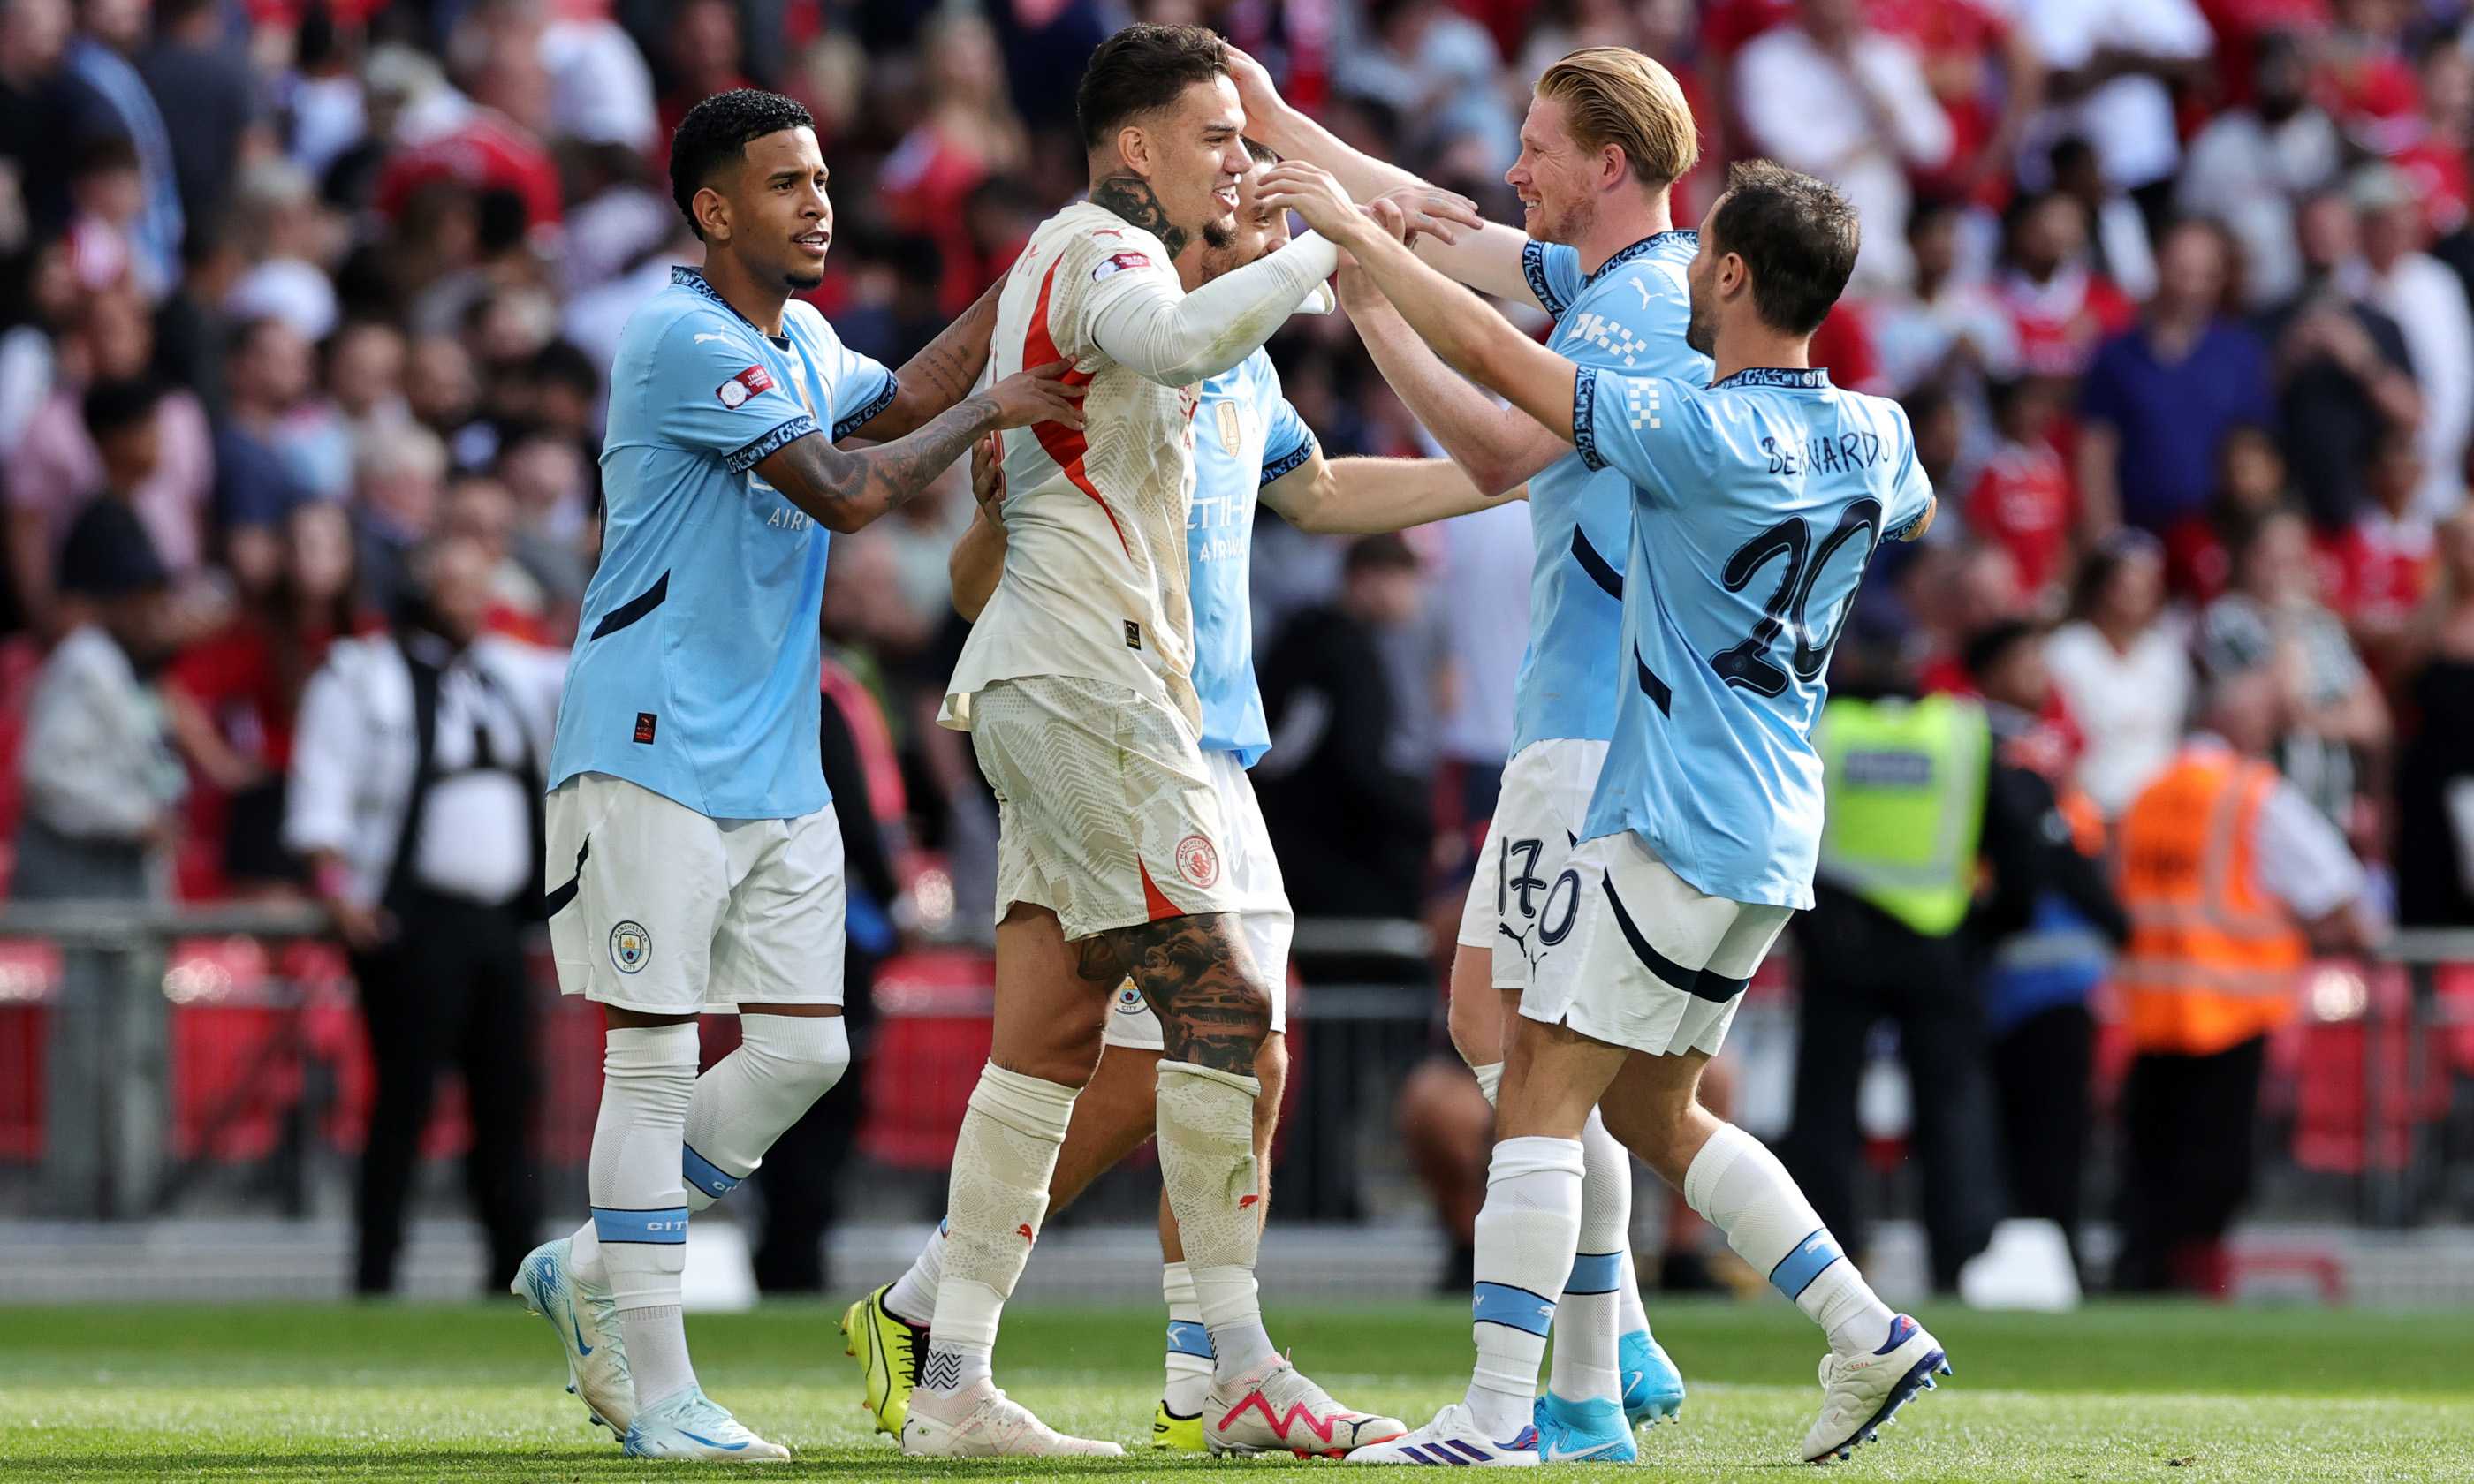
point(686, 278)
point(1623, 255)
point(1791, 378)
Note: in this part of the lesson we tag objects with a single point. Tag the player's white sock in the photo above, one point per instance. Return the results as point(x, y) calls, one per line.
point(1631, 1317)
point(1190, 1354)
point(1489, 1079)
point(1740, 1186)
point(1525, 1234)
point(1206, 1154)
point(783, 1064)
point(639, 1207)
point(914, 1295)
point(1002, 1164)
point(1589, 1319)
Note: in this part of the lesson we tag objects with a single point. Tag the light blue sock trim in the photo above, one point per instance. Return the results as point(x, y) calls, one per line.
point(665, 1228)
point(704, 1175)
point(1797, 1270)
point(1502, 1304)
point(1188, 1338)
point(1596, 1272)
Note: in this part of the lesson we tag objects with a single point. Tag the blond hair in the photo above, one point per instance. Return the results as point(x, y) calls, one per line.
point(1614, 95)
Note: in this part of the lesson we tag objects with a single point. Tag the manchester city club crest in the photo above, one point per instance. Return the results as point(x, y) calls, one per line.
point(1130, 1001)
point(631, 947)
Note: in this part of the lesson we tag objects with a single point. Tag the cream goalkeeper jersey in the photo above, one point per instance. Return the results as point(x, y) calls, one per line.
point(1095, 581)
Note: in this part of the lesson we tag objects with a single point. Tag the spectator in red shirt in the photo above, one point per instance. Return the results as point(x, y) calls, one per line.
point(2059, 306)
point(967, 133)
point(232, 698)
point(1985, 72)
point(2376, 572)
point(2023, 500)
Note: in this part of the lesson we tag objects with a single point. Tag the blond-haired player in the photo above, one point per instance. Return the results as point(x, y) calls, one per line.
point(1607, 137)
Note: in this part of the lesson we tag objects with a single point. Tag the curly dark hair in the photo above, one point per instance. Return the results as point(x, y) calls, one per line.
point(717, 130)
point(1141, 68)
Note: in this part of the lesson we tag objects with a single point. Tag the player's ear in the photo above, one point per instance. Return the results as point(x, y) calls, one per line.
point(712, 213)
point(1134, 148)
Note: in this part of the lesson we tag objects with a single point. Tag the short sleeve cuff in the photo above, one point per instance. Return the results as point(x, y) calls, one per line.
point(1533, 267)
point(771, 444)
point(850, 422)
point(1289, 462)
point(1585, 411)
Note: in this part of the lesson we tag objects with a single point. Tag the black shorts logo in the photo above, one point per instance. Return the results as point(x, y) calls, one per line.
point(646, 722)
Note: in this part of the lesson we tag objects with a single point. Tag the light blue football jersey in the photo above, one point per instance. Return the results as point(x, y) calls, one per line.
point(695, 666)
point(1246, 434)
point(1627, 316)
point(1757, 502)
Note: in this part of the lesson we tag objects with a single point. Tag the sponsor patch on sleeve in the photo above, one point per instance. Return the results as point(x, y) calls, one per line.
point(746, 384)
point(1119, 262)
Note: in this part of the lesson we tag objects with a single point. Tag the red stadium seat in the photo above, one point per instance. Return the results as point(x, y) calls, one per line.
point(932, 1036)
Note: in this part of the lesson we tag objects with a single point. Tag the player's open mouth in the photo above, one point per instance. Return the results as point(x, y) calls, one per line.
point(1228, 195)
point(814, 242)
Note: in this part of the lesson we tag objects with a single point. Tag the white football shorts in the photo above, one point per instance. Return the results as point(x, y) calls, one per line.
point(1105, 813)
point(1263, 915)
point(660, 909)
point(1631, 954)
point(1537, 815)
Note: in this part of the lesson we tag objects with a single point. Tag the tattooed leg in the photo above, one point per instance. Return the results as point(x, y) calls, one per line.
point(1213, 1009)
point(1213, 1018)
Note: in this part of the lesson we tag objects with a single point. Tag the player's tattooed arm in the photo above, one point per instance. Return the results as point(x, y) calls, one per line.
point(941, 375)
point(844, 490)
point(1200, 984)
point(1132, 198)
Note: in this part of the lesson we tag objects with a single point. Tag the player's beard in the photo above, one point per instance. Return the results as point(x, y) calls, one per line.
point(800, 278)
point(1701, 327)
point(1568, 226)
point(1218, 236)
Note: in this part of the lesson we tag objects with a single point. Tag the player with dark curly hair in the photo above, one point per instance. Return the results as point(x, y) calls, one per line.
point(694, 859)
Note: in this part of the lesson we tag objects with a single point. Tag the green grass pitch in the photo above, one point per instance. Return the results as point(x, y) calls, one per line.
point(2177, 1394)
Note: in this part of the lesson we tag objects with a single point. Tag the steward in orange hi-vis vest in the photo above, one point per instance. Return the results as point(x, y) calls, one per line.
point(2213, 956)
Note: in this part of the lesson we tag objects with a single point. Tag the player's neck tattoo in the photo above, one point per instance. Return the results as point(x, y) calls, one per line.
point(1132, 198)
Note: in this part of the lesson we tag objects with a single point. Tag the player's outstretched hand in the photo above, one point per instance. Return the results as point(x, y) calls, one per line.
point(1431, 211)
point(987, 477)
point(1311, 192)
point(1038, 395)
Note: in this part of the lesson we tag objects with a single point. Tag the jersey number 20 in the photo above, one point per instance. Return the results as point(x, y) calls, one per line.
point(1748, 663)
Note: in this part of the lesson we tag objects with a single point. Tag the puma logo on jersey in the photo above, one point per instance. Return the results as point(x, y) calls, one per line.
point(1640, 288)
point(724, 338)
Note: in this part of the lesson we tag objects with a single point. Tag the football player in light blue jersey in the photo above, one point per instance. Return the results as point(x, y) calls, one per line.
point(694, 861)
point(1249, 445)
point(1606, 136)
point(1758, 501)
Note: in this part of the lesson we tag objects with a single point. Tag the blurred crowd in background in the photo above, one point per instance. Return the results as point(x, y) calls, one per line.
point(2176, 294)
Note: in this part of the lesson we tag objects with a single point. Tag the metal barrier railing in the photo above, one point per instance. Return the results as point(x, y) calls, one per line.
point(1368, 1012)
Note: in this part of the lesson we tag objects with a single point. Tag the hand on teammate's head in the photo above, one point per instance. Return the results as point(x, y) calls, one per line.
point(1255, 93)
